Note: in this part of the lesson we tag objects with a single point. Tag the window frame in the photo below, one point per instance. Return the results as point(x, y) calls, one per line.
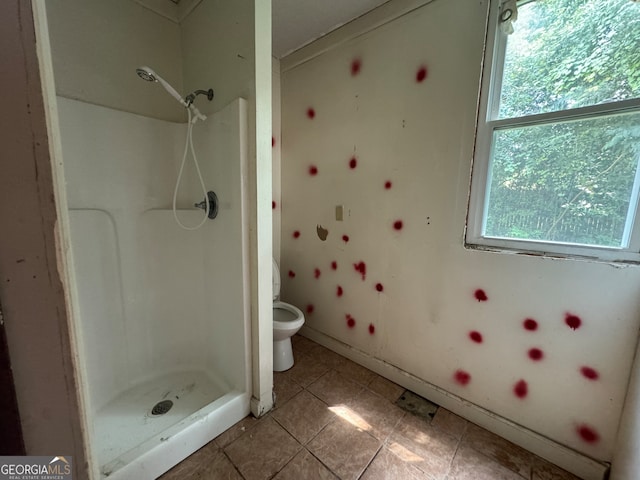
point(488, 122)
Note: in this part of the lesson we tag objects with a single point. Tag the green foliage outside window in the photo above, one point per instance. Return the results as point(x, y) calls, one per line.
point(568, 180)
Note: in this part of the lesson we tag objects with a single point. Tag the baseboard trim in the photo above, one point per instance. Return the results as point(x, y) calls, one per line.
point(560, 455)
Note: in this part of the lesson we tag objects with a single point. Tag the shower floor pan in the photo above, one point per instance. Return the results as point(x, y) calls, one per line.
point(128, 421)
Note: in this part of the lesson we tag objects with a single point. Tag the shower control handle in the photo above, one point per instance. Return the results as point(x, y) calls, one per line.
point(213, 204)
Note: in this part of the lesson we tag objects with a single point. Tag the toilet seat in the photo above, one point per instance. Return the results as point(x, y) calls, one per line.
point(286, 316)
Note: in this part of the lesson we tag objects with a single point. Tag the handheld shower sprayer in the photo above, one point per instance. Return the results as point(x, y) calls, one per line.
point(149, 75)
point(210, 202)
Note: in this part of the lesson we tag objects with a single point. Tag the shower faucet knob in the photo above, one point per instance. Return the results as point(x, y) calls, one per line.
point(213, 204)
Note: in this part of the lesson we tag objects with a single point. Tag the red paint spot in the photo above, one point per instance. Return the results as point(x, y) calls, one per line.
point(351, 322)
point(339, 291)
point(461, 377)
point(334, 265)
point(372, 329)
point(530, 324)
point(353, 163)
point(590, 373)
point(311, 113)
point(296, 234)
point(345, 238)
point(316, 273)
point(273, 205)
point(310, 309)
point(572, 321)
point(521, 389)
point(588, 434)
point(536, 354)
point(313, 170)
point(355, 67)
point(475, 336)
point(273, 141)
point(397, 224)
point(387, 184)
point(421, 74)
point(361, 267)
point(379, 287)
point(480, 295)
point(292, 274)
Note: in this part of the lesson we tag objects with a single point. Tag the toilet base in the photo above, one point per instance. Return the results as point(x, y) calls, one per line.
point(282, 355)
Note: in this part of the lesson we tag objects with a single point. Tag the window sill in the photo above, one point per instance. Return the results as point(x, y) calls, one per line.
point(613, 260)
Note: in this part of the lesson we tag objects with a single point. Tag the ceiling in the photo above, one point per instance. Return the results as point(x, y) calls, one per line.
point(298, 22)
point(295, 22)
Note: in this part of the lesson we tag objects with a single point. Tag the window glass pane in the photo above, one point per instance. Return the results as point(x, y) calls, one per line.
point(571, 53)
point(565, 182)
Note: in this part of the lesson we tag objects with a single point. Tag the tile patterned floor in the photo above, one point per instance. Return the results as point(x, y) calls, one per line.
point(337, 420)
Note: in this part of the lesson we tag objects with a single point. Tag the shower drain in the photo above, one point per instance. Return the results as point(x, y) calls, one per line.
point(162, 407)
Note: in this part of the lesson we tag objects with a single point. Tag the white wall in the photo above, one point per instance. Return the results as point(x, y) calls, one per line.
point(217, 41)
point(260, 178)
point(419, 136)
point(212, 47)
point(276, 157)
point(97, 46)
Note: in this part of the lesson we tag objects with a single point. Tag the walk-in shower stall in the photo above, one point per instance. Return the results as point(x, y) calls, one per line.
point(163, 317)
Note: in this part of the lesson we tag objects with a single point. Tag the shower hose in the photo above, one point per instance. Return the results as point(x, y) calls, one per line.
point(189, 146)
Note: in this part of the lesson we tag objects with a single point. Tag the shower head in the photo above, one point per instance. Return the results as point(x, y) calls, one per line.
point(149, 75)
point(146, 73)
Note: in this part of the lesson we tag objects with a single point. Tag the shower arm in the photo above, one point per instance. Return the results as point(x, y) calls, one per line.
point(189, 99)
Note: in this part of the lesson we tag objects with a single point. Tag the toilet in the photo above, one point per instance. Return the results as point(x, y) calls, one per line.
point(287, 320)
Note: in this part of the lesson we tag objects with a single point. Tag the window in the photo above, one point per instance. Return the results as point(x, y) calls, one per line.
point(558, 140)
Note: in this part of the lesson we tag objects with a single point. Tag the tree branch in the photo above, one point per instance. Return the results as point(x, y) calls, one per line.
point(557, 220)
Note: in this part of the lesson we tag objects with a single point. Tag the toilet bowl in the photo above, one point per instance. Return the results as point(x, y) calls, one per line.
point(287, 320)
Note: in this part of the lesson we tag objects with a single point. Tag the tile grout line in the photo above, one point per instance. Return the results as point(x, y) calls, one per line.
point(232, 463)
point(371, 461)
point(294, 456)
point(453, 457)
point(322, 463)
point(484, 455)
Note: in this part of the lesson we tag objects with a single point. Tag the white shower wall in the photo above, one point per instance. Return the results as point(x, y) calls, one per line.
point(155, 298)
